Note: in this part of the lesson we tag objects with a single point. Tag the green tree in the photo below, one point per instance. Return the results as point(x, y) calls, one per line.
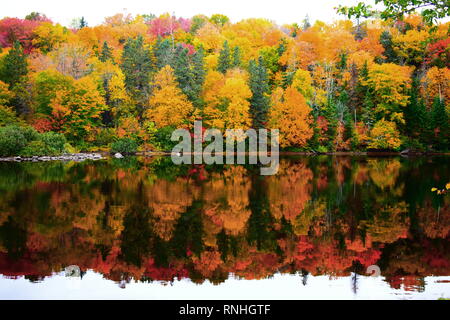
point(106, 53)
point(224, 62)
point(14, 65)
point(163, 52)
point(431, 10)
point(236, 59)
point(440, 124)
point(259, 85)
point(137, 67)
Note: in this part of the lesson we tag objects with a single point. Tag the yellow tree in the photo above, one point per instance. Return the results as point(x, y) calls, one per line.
point(228, 106)
point(436, 83)
point(48, 36)
point(291, 115)
point(389, 84)
point(76, 110)
point(168, 105)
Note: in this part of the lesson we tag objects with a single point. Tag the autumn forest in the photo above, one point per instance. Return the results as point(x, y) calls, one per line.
point(126, 84)
point(362, 105)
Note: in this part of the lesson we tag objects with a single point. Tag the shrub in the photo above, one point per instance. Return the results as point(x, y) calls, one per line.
point(34, 148)
point(105, 137)
point(29, 133)
point(70, 149)
point(124, 145)
point(54, 142)
point(8, 116)
point(322, 149)
point(12, 140)
point(161, 139)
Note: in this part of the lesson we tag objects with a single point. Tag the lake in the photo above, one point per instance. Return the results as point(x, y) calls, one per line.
point(143, 228)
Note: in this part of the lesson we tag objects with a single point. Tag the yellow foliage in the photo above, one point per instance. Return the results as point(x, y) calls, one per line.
point(302, 81)
point(436, 83)
point(227, 100)
point(390, 84)
point(384, 135)
point(168, 105)
point(411, 45)
point(291, 115)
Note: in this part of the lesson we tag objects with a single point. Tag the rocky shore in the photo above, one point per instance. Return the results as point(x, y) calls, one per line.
point(65, 157)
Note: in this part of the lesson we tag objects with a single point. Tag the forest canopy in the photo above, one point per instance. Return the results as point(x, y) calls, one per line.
point(380, 83)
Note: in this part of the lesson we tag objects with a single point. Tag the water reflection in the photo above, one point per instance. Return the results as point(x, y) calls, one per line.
point(148, 220)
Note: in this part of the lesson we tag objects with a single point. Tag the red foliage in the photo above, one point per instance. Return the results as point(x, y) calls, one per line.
point(439, 53)
point(166, 25)
point(42, 125)
point(14, 29)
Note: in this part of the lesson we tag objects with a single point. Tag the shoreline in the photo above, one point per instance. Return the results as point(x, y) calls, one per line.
point(79, 157)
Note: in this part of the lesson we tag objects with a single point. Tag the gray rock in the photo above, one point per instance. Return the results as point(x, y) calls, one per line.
point(118, 156)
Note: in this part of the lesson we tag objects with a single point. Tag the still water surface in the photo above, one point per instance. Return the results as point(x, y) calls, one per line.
point(140, 228)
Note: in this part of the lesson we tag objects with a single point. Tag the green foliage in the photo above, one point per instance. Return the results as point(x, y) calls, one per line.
point(259, 85)
point(389, 52)
point(14, 65)
point(12, 140)
point(224, 62)
point(137, 67)
point(35, 148)
point(441, 125)
point(124, 145)
point(47, 83)
point(26, 141)
point(161, 139)
point(431, 10)
point(54, 142)
point(163, 52)
point(8, 116)
point(105, 137)
point(106, 53)
point(219, 19)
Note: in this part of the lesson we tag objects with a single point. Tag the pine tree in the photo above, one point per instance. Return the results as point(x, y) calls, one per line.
point(259, 85)
point(415, 112)
point(236, 57)
point(224, 62)
point(14, 65)
point(83, 23)
point(198, 76)
point(441, 125)
point(163, 53)
point(137, 68)
point(106, 53)
point(386, 42)
point(182, 70)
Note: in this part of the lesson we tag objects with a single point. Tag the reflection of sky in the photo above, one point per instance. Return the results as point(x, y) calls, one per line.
point(283, 287)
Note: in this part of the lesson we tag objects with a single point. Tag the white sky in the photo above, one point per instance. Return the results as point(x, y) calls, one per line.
point(280, 287)
point(94, 11)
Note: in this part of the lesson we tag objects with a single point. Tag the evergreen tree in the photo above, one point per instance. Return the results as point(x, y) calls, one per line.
point(106, 53)
point(287, 77)
point(182, 70)
point(224, 58)
point(441, 125)
point(14, 65)
point(163, 53)
point(83, 23)
point(137, 68)
point(259, 85)
point(198, 76)
point(415, 113)
point(236, 61)
point(386, 42)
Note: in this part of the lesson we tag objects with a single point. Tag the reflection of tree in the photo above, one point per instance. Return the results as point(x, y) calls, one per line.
point(144, 219)
point(135, 236)
point(389, 224)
